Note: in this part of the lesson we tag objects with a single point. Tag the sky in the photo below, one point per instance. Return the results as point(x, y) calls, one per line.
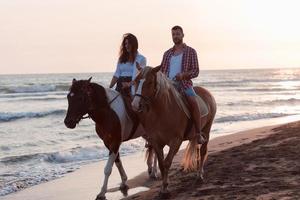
point(70, 36)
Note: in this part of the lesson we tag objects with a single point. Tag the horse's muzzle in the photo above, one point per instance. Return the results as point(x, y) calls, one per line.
point(70, 123)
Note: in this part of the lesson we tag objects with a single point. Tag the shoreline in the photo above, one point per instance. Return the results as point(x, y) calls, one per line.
point(86, 181)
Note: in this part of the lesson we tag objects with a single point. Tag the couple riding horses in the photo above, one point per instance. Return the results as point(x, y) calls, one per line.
point(115, 124)
point(179, 64)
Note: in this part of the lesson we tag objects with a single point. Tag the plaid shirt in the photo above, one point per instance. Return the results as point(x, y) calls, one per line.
point(189, 64)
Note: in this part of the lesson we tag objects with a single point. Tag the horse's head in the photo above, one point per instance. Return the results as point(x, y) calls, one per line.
point(79, 101)
point(146, 88)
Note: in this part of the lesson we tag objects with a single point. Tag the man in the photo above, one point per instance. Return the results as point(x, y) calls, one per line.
point(180, 63)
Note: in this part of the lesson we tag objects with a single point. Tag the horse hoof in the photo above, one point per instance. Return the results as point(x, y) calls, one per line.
point(153, 176)
point(164, 195)
point(100, 197)
point(124, 189)
point(200, 179)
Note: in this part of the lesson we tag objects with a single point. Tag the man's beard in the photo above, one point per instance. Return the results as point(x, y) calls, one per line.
point(177, 41)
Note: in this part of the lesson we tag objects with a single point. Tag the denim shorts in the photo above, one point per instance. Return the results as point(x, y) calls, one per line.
point(190, 92)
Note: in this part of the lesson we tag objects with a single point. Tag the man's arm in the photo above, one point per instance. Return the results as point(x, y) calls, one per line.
point(194, 66)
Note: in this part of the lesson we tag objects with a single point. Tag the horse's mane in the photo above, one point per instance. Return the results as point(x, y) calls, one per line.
point(102, 99)
point(107, 95)
point(166, 89)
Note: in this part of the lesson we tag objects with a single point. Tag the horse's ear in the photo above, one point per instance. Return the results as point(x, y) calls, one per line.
point(74, 80)
point(156, 69)
point(138, 66)
point(89, 80)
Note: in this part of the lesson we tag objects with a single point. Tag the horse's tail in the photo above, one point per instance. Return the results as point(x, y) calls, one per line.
point(191, 158)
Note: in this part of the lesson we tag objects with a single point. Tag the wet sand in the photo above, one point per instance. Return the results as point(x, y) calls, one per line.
point(258, 164)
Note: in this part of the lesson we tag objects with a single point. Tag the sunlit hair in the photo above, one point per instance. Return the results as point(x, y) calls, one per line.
point(177, 28)
point(125, 56)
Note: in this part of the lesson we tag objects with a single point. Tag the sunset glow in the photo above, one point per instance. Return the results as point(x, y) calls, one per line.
point(79, 36)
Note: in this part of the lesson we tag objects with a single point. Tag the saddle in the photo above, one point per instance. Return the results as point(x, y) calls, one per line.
point(183, 103)
point(132, 115)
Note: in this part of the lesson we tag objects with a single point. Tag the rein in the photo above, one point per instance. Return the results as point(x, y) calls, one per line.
point(114, 99)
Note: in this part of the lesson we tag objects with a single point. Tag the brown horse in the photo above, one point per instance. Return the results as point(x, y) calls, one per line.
point(163, 116)
point(113, 125)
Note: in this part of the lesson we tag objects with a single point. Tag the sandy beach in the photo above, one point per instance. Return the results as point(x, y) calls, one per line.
point(261, 163)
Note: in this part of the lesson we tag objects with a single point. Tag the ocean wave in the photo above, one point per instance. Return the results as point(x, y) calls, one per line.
point(249, 117)
point(30, 94)
point(239, 82)
point(34, 88)
point(40, 98)
point(266, 89)
point(76, 154)
point(43, 167)
point(67, 156)
point(19, 159)
point(290, 101)
point(7, 117)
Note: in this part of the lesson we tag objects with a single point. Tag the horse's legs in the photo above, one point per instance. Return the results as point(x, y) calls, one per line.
point(149, 159)
point(154, 169)
point(203, 150)
point(107, 172)
point(152, 163)
point(174, 147)
point(122, 173)
point(203, 153)
point(159, 151)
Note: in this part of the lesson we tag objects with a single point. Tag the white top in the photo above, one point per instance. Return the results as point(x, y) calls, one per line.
point(175, 65)
point(129, 69)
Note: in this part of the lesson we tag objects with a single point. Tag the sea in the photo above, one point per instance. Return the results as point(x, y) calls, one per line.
point(35, 145)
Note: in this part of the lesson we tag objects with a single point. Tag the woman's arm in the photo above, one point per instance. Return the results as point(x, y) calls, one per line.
point(115, 77)
point(113, 81)
point(143, 62)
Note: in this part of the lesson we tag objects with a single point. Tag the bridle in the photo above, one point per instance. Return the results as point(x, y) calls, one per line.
point(147, 99)
point(88, 93)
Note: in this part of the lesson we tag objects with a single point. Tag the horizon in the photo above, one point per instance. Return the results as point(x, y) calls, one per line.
point(227, 69)
point(64, 36)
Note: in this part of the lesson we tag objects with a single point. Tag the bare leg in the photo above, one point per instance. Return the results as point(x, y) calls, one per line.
point(107, 172)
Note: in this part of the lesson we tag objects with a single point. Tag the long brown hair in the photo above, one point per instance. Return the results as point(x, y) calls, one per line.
point(125, 56)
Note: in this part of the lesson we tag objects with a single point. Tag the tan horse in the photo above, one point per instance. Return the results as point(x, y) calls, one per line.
point(161, 112)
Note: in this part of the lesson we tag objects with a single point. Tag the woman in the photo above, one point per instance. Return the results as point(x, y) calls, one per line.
point(126, 68)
